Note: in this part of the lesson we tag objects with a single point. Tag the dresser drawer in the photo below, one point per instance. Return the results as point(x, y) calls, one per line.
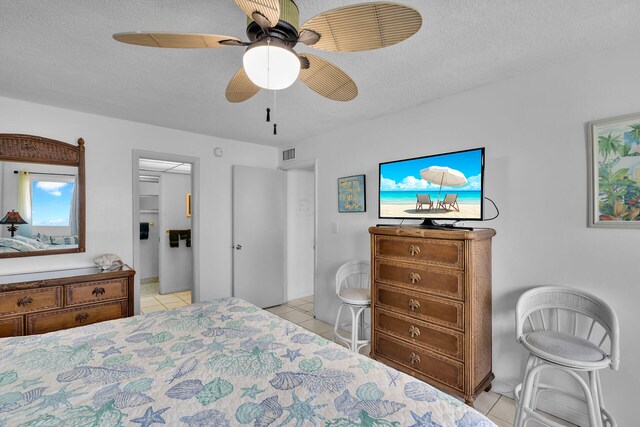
point(448, 253)
point(441, 281)
point(102, 290)
point(441, 311)
point(63, 319)
point(11, 327)
point(431, 337)
point(418, 360)
point(27, 301)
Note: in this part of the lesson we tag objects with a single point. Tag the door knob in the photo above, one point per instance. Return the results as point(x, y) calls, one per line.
point(238, 247)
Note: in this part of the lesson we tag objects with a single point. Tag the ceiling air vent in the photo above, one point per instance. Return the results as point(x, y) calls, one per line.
point(289, 154)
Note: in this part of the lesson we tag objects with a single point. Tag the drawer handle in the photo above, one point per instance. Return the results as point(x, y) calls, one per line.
point(414, 331)
point(415, 359)
point(414, 250)
point(82, 317)
point(414, 304)
point(414, 277)
point(98, 291)
point(25, 301)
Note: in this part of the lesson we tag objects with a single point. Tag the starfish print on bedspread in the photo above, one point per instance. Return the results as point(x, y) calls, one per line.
point(423, 421)
point(251, 392)
point(150, 417)
point(292, 354)
point(302, 411)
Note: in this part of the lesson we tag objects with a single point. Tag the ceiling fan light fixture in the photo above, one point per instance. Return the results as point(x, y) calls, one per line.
point(271, 65)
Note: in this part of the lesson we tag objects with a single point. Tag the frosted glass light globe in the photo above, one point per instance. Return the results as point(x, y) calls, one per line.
point(271, 67)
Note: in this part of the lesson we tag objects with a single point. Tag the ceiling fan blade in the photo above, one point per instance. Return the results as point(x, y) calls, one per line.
point(269, 9)
point(176, 40)
point(240, 88)
point(364, 26)
point(327, 79)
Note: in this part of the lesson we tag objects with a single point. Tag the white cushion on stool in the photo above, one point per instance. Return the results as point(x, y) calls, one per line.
point(358, 296)
point(565, 345)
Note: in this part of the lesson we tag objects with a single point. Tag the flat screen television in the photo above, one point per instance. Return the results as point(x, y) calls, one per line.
point(446, 186)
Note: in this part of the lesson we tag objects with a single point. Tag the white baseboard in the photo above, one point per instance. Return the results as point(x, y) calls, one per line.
point(564, 408)
point(174, 290)
point(558, 405)
point(299, 293)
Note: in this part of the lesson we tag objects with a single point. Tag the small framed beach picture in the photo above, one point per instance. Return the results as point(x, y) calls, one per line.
point(352, 194)
point(614, 172)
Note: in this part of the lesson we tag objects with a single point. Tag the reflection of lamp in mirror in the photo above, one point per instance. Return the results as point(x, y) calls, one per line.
point(12, 218)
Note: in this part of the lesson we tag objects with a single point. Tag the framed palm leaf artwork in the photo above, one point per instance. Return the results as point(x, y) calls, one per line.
point(614, 172)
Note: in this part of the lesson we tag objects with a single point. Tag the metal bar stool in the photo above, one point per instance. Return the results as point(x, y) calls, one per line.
point(570, 331)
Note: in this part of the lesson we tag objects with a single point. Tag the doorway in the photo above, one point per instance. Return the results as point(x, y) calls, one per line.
point(165, 231)
point(300, 241)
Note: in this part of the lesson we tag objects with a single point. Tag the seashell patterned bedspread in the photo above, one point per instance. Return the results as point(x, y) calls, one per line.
point(219, 363)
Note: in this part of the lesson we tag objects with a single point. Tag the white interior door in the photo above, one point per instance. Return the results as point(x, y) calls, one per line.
point(258, 236)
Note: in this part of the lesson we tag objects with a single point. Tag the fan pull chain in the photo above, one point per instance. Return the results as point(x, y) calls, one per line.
point(268, 115)
point(275, 126)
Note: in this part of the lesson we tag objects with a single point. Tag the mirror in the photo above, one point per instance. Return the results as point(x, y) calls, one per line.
point(42, 196)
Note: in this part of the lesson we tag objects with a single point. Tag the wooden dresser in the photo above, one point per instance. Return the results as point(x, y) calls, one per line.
point(431, 305)
point(37, 303)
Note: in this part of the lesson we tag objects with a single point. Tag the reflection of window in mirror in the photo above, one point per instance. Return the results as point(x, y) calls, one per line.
point(47, 198)
point(54, 203)
point(51, 202)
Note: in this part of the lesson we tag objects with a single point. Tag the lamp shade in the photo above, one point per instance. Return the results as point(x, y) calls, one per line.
point(12, 217)
point(272, 65)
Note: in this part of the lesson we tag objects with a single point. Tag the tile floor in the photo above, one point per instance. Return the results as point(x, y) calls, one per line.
point(151, 300)
point(499, 409)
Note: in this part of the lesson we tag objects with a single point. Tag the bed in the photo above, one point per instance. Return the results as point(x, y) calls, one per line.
point(219, 363)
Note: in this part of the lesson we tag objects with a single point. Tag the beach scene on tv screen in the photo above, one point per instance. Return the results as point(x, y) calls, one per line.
point(444, 186)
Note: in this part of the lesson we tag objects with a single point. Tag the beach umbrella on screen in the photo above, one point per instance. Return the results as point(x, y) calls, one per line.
point(443, 176)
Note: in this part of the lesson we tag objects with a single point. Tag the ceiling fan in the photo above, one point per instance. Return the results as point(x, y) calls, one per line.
point(273, 30)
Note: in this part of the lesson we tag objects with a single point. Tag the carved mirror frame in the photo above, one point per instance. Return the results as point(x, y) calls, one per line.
point(36, 149)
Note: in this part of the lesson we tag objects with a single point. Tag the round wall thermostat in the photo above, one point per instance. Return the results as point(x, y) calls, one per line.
point(218, 152)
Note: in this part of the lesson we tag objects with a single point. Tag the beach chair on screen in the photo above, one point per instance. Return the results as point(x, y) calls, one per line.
point(450, 202)
point(423, 199)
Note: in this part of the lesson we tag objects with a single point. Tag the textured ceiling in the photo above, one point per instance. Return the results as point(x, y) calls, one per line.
point(60, 52)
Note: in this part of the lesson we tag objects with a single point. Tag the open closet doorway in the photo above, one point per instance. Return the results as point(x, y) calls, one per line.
point(165, 232)
point(300, 230)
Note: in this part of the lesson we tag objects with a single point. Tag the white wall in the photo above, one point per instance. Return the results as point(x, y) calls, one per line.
point(300, 200)
point(536, 170)
point(109, 145)
point(149, 265)
point(176, 264)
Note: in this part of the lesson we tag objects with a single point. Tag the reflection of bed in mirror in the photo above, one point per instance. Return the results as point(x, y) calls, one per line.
point(41, 196)
point(26, 244)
